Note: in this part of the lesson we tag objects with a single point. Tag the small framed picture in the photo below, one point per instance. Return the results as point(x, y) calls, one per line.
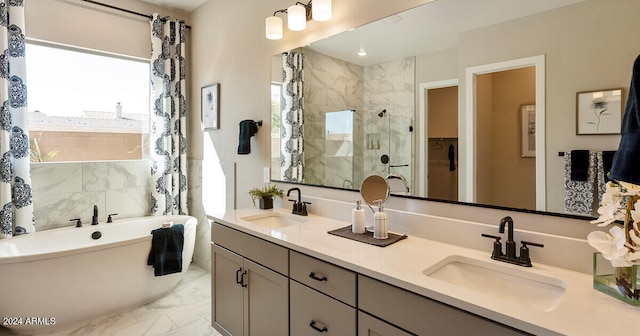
point(528, 130)
point(210, 106)
point(599, 112)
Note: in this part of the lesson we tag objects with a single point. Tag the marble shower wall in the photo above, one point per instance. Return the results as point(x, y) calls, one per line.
point(389, 86)
point(331, 85)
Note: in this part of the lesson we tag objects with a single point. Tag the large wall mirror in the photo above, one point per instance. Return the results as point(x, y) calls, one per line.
point(454, 100)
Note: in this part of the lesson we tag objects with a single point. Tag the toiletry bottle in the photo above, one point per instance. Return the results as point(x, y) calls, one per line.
point(357, 219)
point(380, 230)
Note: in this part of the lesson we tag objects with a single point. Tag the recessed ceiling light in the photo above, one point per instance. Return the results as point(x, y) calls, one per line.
point(362, 53)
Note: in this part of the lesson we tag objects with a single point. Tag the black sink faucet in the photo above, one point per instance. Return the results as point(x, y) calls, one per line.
point(510, 254)
point(299, 207)
point(94, 219)
point(511, 245)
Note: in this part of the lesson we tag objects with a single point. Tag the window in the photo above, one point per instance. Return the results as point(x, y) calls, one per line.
point(85, 105)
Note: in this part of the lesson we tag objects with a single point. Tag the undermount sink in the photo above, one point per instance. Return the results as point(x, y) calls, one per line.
point(503, 282)
point(275, 219)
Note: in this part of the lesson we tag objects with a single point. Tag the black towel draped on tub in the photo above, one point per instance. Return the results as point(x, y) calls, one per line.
point(166, 250)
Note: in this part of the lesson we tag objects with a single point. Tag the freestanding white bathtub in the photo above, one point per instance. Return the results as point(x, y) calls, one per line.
point(56, 278)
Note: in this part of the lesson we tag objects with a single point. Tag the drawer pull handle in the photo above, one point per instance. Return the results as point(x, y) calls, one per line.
point(242, 280)
point(238, 278)
point(312, 275)
point(313, 325)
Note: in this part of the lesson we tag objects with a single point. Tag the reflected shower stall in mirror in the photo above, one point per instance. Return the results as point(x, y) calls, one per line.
point(408, 51)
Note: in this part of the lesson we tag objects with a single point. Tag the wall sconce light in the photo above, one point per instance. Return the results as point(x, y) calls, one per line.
point(297, 17)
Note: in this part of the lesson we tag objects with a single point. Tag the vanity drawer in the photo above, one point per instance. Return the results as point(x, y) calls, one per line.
point(258, 250)
point(329, 279)
point(421, 315)
point(311, 312)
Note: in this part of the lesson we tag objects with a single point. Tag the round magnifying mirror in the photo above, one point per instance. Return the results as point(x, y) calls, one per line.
point(374, 188)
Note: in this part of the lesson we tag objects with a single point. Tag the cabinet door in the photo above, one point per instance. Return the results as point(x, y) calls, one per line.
point(227, 295)
point(371, 326)
point(266, 301)
point(313, 313)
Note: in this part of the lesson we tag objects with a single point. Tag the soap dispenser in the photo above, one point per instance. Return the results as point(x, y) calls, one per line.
point(357, 219)
point(380, 230)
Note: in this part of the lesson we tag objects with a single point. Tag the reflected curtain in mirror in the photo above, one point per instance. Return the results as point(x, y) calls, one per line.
point(292, 117)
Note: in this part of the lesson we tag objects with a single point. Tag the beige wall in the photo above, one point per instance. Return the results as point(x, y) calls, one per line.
point(443, 112)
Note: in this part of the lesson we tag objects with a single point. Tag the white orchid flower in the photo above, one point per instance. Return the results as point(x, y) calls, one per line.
point(635, 213)
point(611, 245)
point(610, 210)
point(634, 237)
point(629, 189)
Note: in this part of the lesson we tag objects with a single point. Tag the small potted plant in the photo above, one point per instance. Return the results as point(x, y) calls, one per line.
point(265, 195)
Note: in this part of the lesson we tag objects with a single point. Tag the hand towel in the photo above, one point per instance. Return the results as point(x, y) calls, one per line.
point(166, 250)
point(579, 196)
point(604, 160)
point(626, 162)
point(579, 165)
point(248, 128)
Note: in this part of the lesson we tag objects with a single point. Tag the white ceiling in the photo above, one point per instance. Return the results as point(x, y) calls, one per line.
point(427, 28)
point(185, 5)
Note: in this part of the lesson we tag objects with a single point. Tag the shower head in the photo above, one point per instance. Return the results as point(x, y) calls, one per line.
point(381, 114)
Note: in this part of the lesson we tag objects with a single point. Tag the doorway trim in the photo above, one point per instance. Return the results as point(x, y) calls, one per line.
point(423, 123)
point(467, 191)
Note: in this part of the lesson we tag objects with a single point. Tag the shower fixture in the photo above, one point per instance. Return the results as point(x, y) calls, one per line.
point(381, 114)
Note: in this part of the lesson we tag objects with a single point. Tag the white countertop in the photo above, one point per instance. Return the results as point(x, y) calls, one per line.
point(582, 311)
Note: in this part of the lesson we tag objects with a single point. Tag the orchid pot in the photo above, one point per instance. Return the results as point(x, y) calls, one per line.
point(616, 265)
point(622, 283)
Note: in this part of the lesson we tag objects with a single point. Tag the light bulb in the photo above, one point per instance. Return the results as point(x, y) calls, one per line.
point(273, 27)
point(321, 10)
point(297, 17)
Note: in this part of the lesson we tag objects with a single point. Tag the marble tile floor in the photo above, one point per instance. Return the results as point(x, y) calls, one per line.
point(185, 311)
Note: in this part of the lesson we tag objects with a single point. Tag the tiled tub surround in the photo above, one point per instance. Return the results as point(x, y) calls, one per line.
point(62, 191)
point(401, 265)
point(66, 190)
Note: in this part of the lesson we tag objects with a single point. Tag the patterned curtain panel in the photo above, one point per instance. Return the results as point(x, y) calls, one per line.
point(291, 132)
point(168, 141)
point(16, 214)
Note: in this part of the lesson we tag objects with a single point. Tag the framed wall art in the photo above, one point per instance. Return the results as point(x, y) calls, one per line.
point(599, 112)
point(210, 106)
point(528, 130)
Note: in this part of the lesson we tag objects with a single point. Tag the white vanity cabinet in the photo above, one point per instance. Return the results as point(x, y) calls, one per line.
point(322, 297)
point(249, 284)
point(420, 315)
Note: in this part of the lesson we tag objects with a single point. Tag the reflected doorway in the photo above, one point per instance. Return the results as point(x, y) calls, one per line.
point(489, 136)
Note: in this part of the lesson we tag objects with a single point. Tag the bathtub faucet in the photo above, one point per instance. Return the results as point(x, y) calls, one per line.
point(94, 219)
